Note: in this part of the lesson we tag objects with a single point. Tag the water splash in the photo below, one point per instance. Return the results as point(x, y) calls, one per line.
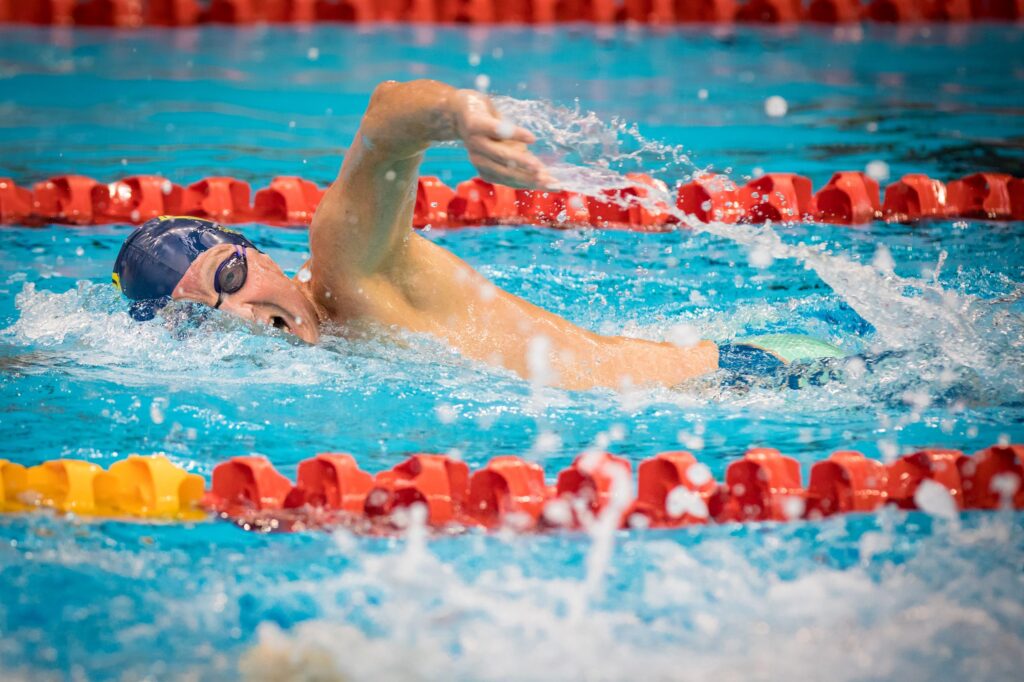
point(589, 155)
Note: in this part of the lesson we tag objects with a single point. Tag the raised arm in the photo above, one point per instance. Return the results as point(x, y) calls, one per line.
point(364, 219)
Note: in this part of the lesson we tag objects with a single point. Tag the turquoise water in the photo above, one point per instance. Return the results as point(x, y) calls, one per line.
point(879, 597)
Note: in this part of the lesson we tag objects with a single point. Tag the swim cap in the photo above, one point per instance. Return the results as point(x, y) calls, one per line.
point(155, 257)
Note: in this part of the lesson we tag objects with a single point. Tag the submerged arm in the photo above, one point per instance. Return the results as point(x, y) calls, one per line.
point(364, 219)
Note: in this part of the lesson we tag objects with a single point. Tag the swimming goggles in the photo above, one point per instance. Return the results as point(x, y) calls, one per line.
point(230, 275)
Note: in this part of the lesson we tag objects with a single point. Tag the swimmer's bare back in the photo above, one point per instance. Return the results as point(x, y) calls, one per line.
point(367, 264)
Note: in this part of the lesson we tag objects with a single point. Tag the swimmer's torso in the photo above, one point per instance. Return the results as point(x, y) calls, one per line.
point(427, 289)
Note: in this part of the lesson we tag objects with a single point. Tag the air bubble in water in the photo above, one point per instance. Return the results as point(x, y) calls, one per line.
point(776, 106)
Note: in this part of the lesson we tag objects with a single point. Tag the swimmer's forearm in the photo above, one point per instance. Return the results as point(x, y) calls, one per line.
point(403, 119)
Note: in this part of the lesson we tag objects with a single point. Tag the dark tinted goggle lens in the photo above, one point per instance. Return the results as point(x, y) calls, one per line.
point(231, 274)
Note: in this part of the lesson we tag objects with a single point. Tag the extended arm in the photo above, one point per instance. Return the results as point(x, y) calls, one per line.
point(364, 219)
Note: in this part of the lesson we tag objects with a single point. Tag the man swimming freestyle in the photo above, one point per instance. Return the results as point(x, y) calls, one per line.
point(368, 265)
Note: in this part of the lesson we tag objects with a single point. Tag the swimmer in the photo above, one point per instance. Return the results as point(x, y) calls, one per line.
point(367, 264)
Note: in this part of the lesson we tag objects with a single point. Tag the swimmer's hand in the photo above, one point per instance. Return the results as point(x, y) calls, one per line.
point(497, 148)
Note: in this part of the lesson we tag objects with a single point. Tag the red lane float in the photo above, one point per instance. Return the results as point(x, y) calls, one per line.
point(705, 11)
point(218, 198)
point(766, 486)
point(172, 12)
point(432, 200)
point(915, 197)
point(589, 480)
point(850, 197)
point(15, 203)
point(1015, 188)
point(288, 201)
point(981, 195)
point(778, 197)
point(544, 207)
point(710, 198)
point(477, 201)
point(938, 465)
point(771, 11)
point(436, 481)
point(834, 11)
point(245, 484)
point(670, 475)
point(66, 199)
point(136, 199)
point(508, 488)
point(846, 482)
point(330, 480)
point(895, 11)
point(993, 477)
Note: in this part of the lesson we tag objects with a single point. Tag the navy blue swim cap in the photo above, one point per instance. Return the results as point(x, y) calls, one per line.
point(155, 257)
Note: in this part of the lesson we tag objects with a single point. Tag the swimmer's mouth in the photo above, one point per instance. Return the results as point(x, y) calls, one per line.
point(279, 322)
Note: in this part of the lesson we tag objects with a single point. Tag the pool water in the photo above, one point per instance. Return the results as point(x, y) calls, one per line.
point(936, 307)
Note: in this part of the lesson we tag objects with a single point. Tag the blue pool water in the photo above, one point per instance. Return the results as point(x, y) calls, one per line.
point(879, 597)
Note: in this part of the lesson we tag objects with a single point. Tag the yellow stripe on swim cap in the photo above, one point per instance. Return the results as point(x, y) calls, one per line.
point(117, 281)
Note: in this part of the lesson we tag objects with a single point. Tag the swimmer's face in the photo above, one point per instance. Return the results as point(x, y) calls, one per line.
point(267, 295)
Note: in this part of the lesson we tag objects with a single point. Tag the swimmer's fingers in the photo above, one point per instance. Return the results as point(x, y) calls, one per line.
point(515, 162)
point(511, 175)
point(497, 129)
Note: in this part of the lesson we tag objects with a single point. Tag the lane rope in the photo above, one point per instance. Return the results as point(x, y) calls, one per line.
point(848, 198)
point(672, 489)
point(139, 13)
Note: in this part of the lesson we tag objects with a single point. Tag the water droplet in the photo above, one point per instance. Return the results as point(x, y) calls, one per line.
point(698, 474)
point(446, 414)
point(304, 275)
point(684, 335)
point(877, 170)
point(883, 260)
point(313, 54)
point(933, 498)
point(482, 82)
